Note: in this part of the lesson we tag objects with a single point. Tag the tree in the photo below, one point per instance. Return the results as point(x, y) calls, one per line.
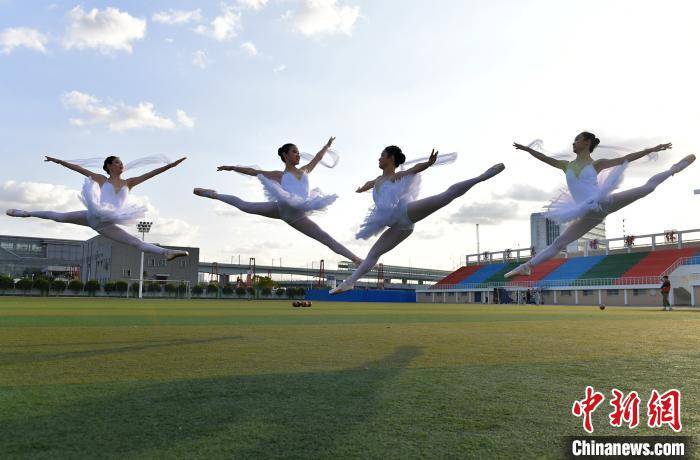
point(240, 291)
point(182, 289)
point(227, 290)
point(170, 288)
point(263, 282)
point(42, 285)
point(212, 288)
point(92, 287)
point(76, 286)
point(198, 289)
point(110, 286)
point(153, 287)
point(58, 286)
point(121, 287)
point(6, 283)
point(266, 291)
point(25, 284)
point(279, 292)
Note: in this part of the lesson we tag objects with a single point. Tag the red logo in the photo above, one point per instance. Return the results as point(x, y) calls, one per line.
point(665, 409)
point(585, 407)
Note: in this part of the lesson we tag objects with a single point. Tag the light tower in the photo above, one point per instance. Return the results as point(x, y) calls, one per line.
point(143, 228)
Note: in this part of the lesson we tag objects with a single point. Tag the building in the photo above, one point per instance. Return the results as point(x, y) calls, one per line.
point(108, 260)
point(544, 231)
point(22, 256)
point(97, 258)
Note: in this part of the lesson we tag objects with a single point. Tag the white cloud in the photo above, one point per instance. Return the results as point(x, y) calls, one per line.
point(526, 192)
point(108, 30)
point(279, 68)
point(199, 59)
point(22, 37)
point(324, 17)
point(35, 196)
point(249, 48)
point(184, 119)
point(492, 213)
point(223, 27)
point(118, 117)
point(252, 4)
point(173, 17)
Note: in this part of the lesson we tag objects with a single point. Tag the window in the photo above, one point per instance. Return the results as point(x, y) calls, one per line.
point(638, 292)
point(587, 293)
point(613, 292)
point(566, 293)
point(6, 245)
point(126, 273)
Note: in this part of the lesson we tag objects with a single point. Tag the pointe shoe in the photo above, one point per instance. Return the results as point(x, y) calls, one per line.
point(684, 163)
point(524, 269)
point(205, 192)
point(171, 254)
point(494, 170)
point(17, 213)
point(342, 288)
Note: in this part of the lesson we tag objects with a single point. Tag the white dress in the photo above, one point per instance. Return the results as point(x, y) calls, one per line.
point(293, 197)
point(585, 193)
point(390, 202)
point(107, 207)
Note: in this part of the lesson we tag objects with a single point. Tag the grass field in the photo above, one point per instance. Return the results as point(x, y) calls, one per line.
point(237, 379)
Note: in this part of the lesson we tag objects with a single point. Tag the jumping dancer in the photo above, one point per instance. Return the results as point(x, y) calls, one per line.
point(106, 200)
point(588, 201)
point(289, 195)
point(396, 206)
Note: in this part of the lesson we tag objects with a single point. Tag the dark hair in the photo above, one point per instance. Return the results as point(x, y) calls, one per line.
point(665, 276)
point(591, 137)
point(284, 149)
point(394, 151)
point(108, 161)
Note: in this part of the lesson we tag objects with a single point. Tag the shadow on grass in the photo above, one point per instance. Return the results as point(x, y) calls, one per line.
point(275, 415)
point(17, 358)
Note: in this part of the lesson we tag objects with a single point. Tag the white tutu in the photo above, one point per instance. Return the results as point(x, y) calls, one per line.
point(389, 210)
point(293, 197)
point(585, 193)
point(105, 207)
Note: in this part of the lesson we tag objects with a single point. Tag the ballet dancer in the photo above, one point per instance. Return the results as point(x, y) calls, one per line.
point(588, 200)
point(395, 205)
point(106, 200)
point(289, 195)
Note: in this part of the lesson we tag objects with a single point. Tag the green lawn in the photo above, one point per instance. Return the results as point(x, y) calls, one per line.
point(238, 379)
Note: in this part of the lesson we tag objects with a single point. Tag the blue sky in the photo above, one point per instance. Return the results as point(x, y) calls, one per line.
point(249, 76)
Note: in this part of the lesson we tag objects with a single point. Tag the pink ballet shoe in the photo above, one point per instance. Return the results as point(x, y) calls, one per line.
point(524, 269)
point(681, 165)
point(205, 192)
point(344, 286)
point(17, 213)
point(171, 254)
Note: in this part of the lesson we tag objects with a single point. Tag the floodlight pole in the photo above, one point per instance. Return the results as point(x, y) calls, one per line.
point(143, 228)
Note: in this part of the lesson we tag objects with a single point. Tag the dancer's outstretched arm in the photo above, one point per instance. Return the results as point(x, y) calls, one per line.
point(419, 167)
point(99, 178)
point(319, 156)
point(369, 185)
point(559, 164)
point(612, 162)
point(274, 175)
point(134, 181)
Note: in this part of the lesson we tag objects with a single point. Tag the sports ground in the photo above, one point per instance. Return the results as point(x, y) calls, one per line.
point(86, 378)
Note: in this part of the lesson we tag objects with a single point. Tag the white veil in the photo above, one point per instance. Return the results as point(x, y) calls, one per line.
point(97, 162)
point(442, 159)
point(538, 144)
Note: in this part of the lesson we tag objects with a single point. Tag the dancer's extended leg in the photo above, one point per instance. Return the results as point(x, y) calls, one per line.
point(574, 231)
point(420, 209)
point(312, 230)
point(621, 199)
point(74, 217)
point(266, 209)
point(385, 243)
point(117, 233)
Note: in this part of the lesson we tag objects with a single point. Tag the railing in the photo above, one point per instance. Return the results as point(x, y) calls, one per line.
point(548, 284)
point(693, 260)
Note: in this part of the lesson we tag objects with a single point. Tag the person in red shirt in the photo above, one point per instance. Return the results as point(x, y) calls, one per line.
point(665, 290)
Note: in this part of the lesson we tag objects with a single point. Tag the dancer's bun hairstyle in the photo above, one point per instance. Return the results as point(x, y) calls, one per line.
point(396, 153)
point(108, 161)
point(591, 137)
point(284, 149)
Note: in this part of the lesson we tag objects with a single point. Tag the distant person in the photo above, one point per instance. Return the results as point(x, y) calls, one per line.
point(665, 290)
point(528, 297)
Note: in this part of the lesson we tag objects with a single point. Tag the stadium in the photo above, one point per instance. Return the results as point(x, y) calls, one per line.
point(181, 278)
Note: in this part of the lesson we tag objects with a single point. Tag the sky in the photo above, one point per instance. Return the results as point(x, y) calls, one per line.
point(227, 83)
